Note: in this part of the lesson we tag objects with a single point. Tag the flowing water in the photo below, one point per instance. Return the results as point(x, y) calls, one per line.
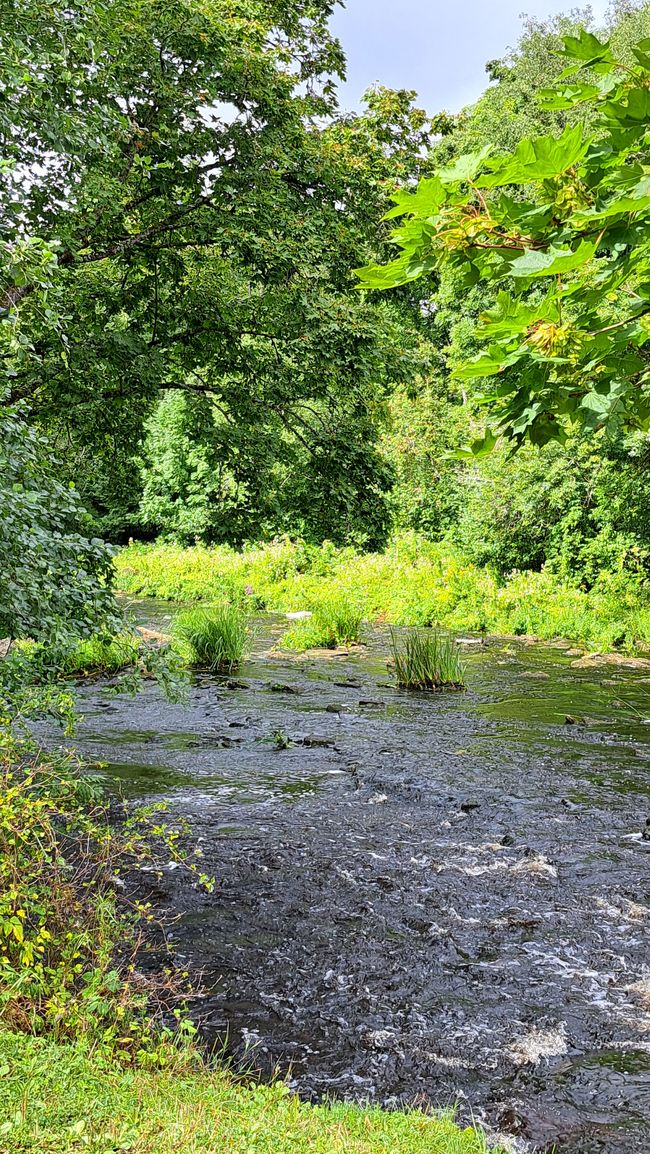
point(420, 898)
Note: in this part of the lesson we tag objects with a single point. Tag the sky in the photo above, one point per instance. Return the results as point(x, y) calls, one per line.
point(438, 47)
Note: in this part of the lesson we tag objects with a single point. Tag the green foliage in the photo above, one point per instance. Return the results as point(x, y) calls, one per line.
point(182, 232)
point(188, 494)
point(67, 939)
point(425, 421)
point(61, 1099)
point(414, 582)
point(580, 509)
point(213, 637)
point(33, 675)
point(564, 217)
point(205, 479)
point(426, 659)
point(336, 620)
point(99, 656)
point(53, 581)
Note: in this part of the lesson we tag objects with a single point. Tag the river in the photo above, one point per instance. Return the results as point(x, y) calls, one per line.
point(429, 899)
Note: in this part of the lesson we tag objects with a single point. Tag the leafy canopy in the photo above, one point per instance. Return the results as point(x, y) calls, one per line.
point(559, 230)
point(193, 207)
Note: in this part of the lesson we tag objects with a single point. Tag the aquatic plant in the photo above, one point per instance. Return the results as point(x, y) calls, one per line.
point(426, 659)
point(213, 637)
point(336, 620)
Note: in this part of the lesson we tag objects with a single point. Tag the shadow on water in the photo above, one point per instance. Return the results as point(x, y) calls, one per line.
point(419, 898)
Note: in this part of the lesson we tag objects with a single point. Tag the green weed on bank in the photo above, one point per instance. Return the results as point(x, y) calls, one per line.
point(59, 1100)
point(414, 583)
point(70, 938)
point(98, 656)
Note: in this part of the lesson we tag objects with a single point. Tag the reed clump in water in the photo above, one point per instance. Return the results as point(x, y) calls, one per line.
point(426, 659)
point(213, 637)
point(336, 620)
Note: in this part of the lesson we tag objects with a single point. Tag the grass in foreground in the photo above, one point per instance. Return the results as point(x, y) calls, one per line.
point(57, 1100)
point(213, 637)
point(426, 659)
point(415, 582)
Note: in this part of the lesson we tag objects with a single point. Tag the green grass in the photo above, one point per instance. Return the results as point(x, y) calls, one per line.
point(426, 659)
point(414, 582)
point(336, 621)
point(93, 656)
point(57, 1100)
point(100, 656)
point(213, 637)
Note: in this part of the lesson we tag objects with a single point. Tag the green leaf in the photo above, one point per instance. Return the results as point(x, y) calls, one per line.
point(465, 167)
point(487, 364)
point(632, 112)
point(559, 99)
point(540, 158)
point(534, 263)
point(481, 447)
point(587, 48)
point(429, 196)
point(386, 276)
point(616, 207)
point(510, 316)
point(526, 418)
point(641, 53)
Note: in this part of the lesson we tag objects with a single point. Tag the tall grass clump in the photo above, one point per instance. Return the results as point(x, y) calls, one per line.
point(426, 659)
point(335, 621)
point(213, 637)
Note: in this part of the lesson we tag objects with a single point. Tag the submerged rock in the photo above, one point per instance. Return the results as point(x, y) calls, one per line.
point(595, 660)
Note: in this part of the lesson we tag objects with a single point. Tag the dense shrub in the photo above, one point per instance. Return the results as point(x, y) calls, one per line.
point(68, 937)
point(207, 479)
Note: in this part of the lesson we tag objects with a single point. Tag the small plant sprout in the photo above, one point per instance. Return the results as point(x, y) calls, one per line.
point(213, 637)
point(426, 659)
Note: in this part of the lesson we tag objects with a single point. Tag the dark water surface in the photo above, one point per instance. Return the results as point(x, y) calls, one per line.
point(428, 899)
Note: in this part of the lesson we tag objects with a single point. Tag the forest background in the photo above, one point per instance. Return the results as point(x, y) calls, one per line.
point(189, 353)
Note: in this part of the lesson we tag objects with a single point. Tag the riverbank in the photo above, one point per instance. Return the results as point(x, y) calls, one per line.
point(59, 1100)
point(87, 1058)
point(414, 582)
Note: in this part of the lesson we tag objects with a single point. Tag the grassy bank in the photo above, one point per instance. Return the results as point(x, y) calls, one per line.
point(57, 1100)
point(414, 582)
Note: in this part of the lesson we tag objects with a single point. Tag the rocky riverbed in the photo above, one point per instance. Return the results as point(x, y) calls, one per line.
point(420, 898)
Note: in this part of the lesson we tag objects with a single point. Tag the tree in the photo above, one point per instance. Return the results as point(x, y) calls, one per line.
point(203, 206)
point(560, 228)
